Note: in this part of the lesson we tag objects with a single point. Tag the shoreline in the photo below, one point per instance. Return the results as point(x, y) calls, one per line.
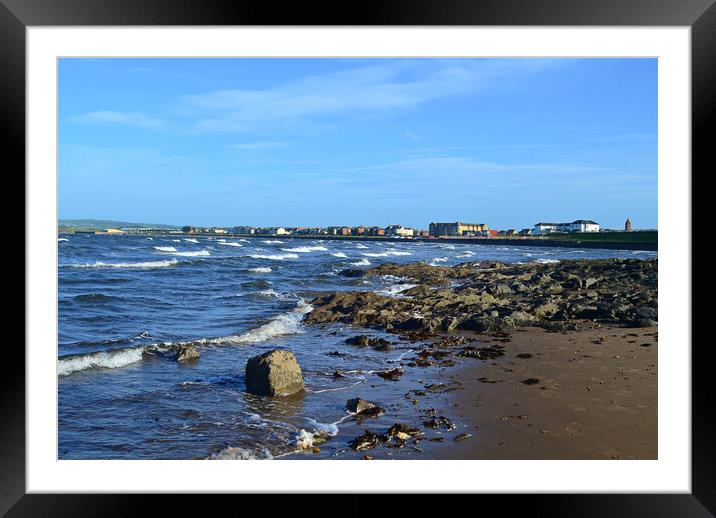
point(494, 241)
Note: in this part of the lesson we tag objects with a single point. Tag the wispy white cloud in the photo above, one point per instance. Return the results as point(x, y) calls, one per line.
point(134, 119)
point(367, 89)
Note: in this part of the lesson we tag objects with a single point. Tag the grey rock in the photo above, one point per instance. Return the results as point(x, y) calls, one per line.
point(275, 373)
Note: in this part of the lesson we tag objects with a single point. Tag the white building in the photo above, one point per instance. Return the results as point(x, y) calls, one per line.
point(580, 225)
point(399, 230)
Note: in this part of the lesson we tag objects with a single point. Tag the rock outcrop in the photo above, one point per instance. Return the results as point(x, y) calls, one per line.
point(275, 373)
point(495, 297)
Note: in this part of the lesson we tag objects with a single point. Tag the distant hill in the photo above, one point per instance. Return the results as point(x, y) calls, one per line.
point(98, 224)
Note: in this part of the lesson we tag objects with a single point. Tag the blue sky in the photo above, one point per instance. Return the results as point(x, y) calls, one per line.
point(297, 142)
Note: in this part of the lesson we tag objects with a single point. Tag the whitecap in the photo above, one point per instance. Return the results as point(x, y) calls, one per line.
point(286, 324)
point(361, 246)
point(362, 262)
point(62, 239)
point(238, 453)
point(340, 255)
point(191, 240)
point(547, 261)
point(102, 359)
point(272, 242)
point(260, 269)
point(275, 257)
point(165, 248)
point(306, 249)
point(146, 264)
point(395, 289)
point(229, 243)
point(197, 253)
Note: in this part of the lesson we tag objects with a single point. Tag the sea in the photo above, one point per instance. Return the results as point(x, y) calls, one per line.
point(126, 301)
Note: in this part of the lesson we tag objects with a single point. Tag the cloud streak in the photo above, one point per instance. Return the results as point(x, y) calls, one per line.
point(388, 86)
point(133, 119)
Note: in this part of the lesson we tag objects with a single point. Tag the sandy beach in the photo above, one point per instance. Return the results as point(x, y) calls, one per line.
point(595, 398)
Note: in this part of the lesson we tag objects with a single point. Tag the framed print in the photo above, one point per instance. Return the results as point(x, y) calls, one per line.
point(347, 254)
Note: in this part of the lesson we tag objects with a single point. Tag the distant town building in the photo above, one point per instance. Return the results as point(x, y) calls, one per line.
point(580, 225)
point(399, 231)
point(526, 232)
point(359, 231)
point(190, 230)
point(456, 229)
point(627, 225)
point(375, 231)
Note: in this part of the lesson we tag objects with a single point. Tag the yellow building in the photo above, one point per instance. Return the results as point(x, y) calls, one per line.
point(456, 229)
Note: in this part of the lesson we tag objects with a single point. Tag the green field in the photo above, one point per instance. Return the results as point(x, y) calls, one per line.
point(645, 236)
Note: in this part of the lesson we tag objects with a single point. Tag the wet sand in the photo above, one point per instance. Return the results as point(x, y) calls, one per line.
point(595, 398)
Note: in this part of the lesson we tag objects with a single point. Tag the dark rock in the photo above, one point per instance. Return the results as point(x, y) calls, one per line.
point(392, 375)
point(439, 423)
point(531, 381)
point(274, 373)
point(357, 405)
point(368, 440)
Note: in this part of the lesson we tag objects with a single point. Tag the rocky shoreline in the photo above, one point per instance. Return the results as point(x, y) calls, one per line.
point(475, 310)
point(495, 297)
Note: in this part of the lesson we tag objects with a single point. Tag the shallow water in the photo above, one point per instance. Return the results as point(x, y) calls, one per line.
point(124, 299)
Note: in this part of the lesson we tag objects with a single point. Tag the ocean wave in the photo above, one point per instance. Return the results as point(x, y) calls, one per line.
point(102, 359)
point(438, 260)
point(362, 262)
point(272, 242)
point(273, 293)
point(306, 249)
point(62, 239)
point(340, 255)
point(95, 297)
point(197, 253)
point(191, 240)
point(165, 248)
point(466, 253)
point(145, 264)
point(229, 243)
point(547, 261)
point(260, 269)
point(285, 324)
point(361, 246)
point(275, 257)
point(387, 253)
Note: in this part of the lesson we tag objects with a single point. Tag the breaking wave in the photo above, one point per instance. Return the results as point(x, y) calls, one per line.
point(238, 453)
point(306, 249)
point(362, 262)
point(197, 253)
point(165, 248)
point(286, 324)
point(103, 359)
point(385, 254)
point(260, 269)
point(191, 240)
point(275, 257)
point(340, 254)
point(272, 242)
point(229, 243)
point(62, 239)
point(145, 264)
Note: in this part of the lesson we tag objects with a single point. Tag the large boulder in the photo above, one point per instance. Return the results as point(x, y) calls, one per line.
point(275, 373)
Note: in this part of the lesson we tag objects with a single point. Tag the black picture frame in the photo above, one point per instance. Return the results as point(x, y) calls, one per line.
point(700, 15)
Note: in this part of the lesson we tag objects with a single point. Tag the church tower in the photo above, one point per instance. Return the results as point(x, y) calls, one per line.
point(627, 225)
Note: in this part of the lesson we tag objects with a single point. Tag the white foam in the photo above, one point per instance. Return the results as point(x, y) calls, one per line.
point(146, 264)
point(362, 262)
point(165, 248)
point(466, 253)
point(340, 254)
point(275, 257)
point(272, 242)
point(176, 240)
point(547, 261)
point(395, 289)
point(273, 293)
point(229, 243)
point(304, 439)
point(385, 254)
point(191, 240)
point(62, 239)
point(306, 249)
point(361, 246)
point(260, 269)
point(197, 253)
point(438, 260)
point(286, 324)
point(238, 453)
point(103, 359)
